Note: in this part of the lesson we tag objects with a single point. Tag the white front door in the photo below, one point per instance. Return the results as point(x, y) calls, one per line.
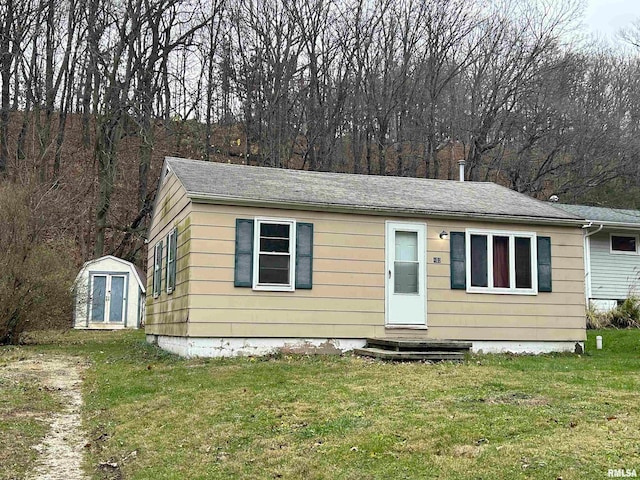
point(406, 274)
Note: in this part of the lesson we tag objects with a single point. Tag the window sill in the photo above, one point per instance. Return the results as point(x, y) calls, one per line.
point(406, 327)
point(502, 291)
point(274, 288)
point(620, 252)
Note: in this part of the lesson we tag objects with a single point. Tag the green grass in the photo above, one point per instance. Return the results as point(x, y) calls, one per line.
point(492, 417)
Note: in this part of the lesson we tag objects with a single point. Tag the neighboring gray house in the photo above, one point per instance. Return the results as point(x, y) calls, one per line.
point(612, 253)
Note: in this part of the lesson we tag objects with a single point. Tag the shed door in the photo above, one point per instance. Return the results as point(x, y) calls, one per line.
point(116, 298)
point(405, 276)
point(98, 297)
point(108, 298)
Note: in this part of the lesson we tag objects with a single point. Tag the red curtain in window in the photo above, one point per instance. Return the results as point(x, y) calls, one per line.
point(501, 262)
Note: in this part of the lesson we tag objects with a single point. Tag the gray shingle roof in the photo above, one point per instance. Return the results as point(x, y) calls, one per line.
point(325, 191)
point(601, 214)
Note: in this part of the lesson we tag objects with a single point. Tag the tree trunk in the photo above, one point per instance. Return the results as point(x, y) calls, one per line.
point(5, 74)
point(106, 145)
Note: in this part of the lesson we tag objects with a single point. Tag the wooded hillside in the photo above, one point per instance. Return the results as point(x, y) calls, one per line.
point(94, 94)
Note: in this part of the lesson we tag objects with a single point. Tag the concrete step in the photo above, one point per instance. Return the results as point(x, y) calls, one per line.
point(418, 345)
point(407, 355)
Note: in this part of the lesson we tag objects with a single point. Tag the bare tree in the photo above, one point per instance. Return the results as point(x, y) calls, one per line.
point(16, 17)
point(325, 87)
point(631, 34)
point(517, 38)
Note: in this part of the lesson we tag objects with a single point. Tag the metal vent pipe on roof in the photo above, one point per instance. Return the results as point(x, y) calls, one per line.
point(461, 164)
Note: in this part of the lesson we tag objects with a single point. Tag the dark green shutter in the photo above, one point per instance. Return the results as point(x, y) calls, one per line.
point(544, 264)
point(243, 276)
point(304, 255)
point(458, 265)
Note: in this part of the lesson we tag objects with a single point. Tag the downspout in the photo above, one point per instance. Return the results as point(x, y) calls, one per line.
point(587, 259)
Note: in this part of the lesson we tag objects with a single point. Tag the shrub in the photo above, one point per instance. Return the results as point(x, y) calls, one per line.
point(36, 266)
point(597, 319)
point(627, 314)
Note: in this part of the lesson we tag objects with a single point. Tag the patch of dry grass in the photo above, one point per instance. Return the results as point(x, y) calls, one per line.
point(25, 408)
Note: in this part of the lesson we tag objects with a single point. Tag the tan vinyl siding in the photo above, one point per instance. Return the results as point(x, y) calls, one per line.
point(348, 295)
point(168, 313)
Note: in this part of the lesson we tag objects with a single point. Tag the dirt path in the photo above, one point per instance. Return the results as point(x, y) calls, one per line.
point(60, 453)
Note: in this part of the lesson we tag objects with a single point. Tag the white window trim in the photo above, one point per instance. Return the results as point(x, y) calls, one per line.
point(620, 252)
point(156, 266)
point(512, 262)
point(292, 255)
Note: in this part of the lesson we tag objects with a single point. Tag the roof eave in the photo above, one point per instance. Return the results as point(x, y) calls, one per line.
point(365, 209)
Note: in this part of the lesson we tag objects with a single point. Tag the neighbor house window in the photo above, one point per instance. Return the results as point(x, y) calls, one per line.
point(624, 244)
point(172, 243)
point(274, 254)
point(157, 269)
point(501, 262)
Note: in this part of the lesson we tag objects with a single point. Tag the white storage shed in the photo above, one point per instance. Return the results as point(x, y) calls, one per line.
point(109, 295)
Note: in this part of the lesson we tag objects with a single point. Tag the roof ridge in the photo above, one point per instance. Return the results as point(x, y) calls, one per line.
point(321, 172)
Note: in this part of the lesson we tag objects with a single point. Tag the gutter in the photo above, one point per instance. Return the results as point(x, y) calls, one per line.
point(620, 225)
point(587, 258)
point(368, 210)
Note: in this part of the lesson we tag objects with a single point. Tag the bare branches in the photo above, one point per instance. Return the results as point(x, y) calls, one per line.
point(389, 87)
point(631, 34)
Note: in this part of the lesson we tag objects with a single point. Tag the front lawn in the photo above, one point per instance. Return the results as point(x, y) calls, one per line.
point(492, 417)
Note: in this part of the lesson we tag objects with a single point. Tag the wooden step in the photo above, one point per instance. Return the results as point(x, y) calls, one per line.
point(418, 345)
point(407, 355)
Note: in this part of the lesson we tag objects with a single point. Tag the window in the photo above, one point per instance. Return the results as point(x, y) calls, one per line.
point(274, 254)
point(406, 265)
point(501, 262)
point(157, 269)
point(624, 244)
point(172, 243)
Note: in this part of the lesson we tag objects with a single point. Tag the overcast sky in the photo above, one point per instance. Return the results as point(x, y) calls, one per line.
point(606, 17)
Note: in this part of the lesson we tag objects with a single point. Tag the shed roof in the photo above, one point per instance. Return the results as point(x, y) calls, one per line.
point(249, 185)
point(601, 214)
point(138, 274)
